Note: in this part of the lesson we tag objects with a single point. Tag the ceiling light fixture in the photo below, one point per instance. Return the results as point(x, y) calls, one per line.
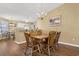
point(42, 14)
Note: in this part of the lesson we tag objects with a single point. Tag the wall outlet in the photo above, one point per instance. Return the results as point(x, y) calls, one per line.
point(73, 39)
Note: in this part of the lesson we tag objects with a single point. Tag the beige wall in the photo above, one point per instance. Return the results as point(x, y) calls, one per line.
point(69, 26)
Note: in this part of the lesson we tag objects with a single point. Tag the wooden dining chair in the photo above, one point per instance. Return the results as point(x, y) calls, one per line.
point(32, 45)
point(56, 40)
point(53, 41)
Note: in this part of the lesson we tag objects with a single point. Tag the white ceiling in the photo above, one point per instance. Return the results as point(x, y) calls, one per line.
point(25, 10)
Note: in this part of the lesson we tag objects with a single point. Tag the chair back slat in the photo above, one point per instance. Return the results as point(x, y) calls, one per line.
point(53, 37)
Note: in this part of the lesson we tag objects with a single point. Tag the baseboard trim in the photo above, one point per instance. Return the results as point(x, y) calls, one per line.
point(20, 42)
point(69, 44)
point(59, 42)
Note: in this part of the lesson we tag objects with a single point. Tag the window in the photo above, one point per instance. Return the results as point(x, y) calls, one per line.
point(3, 26)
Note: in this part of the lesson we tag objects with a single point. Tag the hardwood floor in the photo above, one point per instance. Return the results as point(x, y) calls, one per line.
point(10, 48)
point(63, 50)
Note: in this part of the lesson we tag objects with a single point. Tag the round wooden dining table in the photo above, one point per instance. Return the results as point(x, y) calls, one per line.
point(10, 48)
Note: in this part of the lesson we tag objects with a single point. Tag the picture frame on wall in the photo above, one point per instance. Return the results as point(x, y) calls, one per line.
point(55, 21)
